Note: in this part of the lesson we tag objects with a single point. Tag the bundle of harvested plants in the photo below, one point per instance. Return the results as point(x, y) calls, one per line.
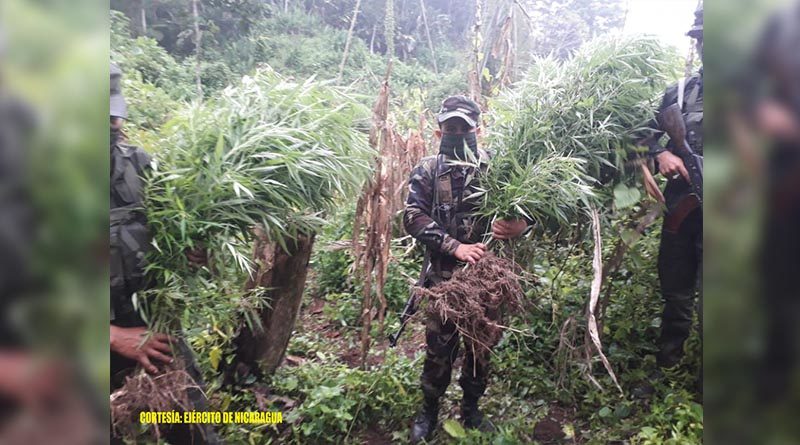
point(570, 126)
point(476, 298)
point(269, 153)
point(165, 392)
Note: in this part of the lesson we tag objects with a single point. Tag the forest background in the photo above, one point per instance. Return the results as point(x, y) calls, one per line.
point(176, 53)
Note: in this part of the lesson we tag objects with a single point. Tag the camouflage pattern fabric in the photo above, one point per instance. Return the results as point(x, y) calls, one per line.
point(440, 213)
point(681, 253)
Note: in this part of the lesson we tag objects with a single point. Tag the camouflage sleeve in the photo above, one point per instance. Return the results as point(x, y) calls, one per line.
point(418, 220)
point(144, 161)
point(651, 141)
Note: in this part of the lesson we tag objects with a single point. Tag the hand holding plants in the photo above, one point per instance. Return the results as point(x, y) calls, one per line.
point(470, 253)
point(508, 229)
point(128, 342)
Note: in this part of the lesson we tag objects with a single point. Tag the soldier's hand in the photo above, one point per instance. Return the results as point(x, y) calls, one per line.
point(777, 121)
point(470, 253)
point(670, 165)
point(33, 381)
point(504, 229)
point(131, 343)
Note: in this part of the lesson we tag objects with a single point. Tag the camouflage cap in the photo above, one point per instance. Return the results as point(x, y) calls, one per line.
point(460, 106)
point(118, 106)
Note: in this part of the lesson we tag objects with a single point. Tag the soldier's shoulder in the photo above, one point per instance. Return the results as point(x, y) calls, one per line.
point(426, 164)
point(688, 82)
point(671, 93)
point(136, 153)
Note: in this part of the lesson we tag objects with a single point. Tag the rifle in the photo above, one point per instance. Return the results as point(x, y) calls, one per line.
point(671, 121)
point(411, 305)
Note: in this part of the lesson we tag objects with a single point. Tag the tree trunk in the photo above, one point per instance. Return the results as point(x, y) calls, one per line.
point(197, 37)
point(349, 39)
point(473, 76)
point(428, 34)
point(284, 273)
point(372, 40)
point(144, 19)
point(388, 28)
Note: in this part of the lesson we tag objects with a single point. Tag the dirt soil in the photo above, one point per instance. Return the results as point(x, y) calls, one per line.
point(550, 430)
point(312, 321)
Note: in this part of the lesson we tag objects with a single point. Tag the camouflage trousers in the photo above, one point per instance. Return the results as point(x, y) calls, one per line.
point(680, 265)
point(442, 350)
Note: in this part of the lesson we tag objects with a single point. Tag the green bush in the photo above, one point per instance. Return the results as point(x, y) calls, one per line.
point(156, 66)
point(338, 401)
point(574, 123)
point(149, 106)
point(269, 152)
point(676, 420)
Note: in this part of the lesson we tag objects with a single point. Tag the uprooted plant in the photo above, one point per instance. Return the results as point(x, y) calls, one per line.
point(142, 392)
point(477, 298)
point(269, 153)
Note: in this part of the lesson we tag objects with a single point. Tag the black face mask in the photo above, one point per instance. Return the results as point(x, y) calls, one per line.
point(116, 136)
point(453, 145)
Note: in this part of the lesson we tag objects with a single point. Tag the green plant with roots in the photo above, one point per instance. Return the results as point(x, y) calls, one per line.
point(568, 127)
point(269, 153)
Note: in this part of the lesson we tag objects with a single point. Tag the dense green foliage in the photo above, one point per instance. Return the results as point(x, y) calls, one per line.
point(269, 152)
point(573, 123)
point(325, 398)
point(288, 153)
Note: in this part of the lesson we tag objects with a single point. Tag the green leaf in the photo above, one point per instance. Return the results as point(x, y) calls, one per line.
point(569, 431)
point(290, 383)
point(214, 356)
point(454, 429)
point(486, 74)
point(220, 146)
point(625, 196)
point(622, 411)
point(605, 412)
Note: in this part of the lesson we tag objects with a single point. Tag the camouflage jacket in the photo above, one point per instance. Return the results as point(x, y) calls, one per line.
point(692, 108)
point(440, 210)
point(129, 239)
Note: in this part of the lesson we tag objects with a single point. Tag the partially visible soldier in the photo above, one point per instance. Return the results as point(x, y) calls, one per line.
point(440, 213)
point(129, 243)
point(681, 251)
point(776, 107)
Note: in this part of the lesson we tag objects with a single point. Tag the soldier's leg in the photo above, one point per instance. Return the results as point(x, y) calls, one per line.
point(698, 243)
point(440, 353)
point(197, 433)
point(474, 379)
point(677, 272)
point(474, 373)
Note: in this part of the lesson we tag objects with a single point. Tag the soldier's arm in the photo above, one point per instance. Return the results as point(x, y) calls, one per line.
point(652, 139)
point(417, 218)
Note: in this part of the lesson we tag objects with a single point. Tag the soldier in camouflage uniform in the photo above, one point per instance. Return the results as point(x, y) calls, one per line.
point(129, 243)
point(681, 249)
point(440, 213)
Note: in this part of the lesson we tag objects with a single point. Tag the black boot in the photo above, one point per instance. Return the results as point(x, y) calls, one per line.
point(425, 422)
point(472, 417)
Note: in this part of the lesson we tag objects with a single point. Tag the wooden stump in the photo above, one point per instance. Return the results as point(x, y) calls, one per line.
point(260, 351)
